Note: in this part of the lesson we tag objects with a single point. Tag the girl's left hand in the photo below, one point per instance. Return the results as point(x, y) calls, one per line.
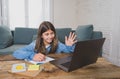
point(71, 39)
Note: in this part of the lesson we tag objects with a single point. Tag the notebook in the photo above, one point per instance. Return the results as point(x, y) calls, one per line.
point(85, 53)
point(47, 59)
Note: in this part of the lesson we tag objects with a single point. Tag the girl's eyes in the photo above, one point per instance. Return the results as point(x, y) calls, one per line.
point(52, 33)
point(49, 33)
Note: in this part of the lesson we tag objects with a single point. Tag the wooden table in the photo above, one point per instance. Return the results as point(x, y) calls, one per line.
point(100, 70)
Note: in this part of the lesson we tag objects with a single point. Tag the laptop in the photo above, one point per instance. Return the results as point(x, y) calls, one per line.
point(85, 53)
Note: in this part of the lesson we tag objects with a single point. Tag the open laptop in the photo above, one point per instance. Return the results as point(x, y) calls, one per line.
point(85, 53)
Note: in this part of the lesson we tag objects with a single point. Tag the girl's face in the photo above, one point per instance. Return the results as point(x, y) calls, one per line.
point(48, 37)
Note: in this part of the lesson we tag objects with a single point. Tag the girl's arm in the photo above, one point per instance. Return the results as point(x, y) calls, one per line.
point(26, 52)
point(69, 44)
point(64, 48)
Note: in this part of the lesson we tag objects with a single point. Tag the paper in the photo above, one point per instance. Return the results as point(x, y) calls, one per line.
point(33, 67)
point(47, 59)
point(20, 67)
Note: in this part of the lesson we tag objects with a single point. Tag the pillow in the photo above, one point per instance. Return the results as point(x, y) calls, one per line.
point(84, 32)
point(24, 35)
point(97, 35)
point(34, 37)
point(6, 38)
point(62, 32)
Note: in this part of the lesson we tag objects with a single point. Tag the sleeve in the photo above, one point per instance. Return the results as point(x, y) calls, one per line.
point(64, 48)
point(26, 52)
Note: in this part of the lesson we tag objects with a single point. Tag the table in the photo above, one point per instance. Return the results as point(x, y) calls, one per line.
point(102, 69)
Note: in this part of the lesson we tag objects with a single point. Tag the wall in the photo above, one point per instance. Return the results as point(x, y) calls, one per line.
point(65, 14)
point(103, 14)
point(4, 12)
point(114, 55)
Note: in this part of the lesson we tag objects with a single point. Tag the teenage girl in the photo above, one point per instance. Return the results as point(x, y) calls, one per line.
point(46, 43)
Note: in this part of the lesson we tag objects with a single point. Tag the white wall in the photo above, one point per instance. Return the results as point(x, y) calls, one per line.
point(115, 37)
point(65, 14)
point(103, 14)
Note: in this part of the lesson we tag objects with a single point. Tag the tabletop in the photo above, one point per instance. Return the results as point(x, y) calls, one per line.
point(102, 69)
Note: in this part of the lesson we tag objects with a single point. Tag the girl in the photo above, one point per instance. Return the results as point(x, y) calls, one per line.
point(45, 43)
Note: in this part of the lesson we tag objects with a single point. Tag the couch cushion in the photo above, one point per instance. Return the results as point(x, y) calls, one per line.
point(62, 32)
point(11, 49)
point(24, 35)
point(97, 35)
point(6, 38)
point(84, 32)
point(34, 37)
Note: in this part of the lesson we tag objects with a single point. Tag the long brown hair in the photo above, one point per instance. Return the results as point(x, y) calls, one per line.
point(40, 46)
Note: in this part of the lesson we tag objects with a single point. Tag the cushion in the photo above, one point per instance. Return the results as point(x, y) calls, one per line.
point(62, 32)
point(24, 35)
point(6, 38)
point(84, 32)
point(11, 49)
point(34, 37)
point(97, 35)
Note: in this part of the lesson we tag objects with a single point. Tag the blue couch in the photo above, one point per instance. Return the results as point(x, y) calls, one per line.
point(21, 37)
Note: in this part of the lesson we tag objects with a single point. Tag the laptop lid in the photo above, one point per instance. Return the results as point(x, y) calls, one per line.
point(85, 53)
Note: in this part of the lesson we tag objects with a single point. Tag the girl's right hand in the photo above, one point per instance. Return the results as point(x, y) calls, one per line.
point(39, 57)
point(71, 39)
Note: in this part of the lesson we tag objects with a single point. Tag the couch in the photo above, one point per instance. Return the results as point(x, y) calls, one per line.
point(20, 37)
